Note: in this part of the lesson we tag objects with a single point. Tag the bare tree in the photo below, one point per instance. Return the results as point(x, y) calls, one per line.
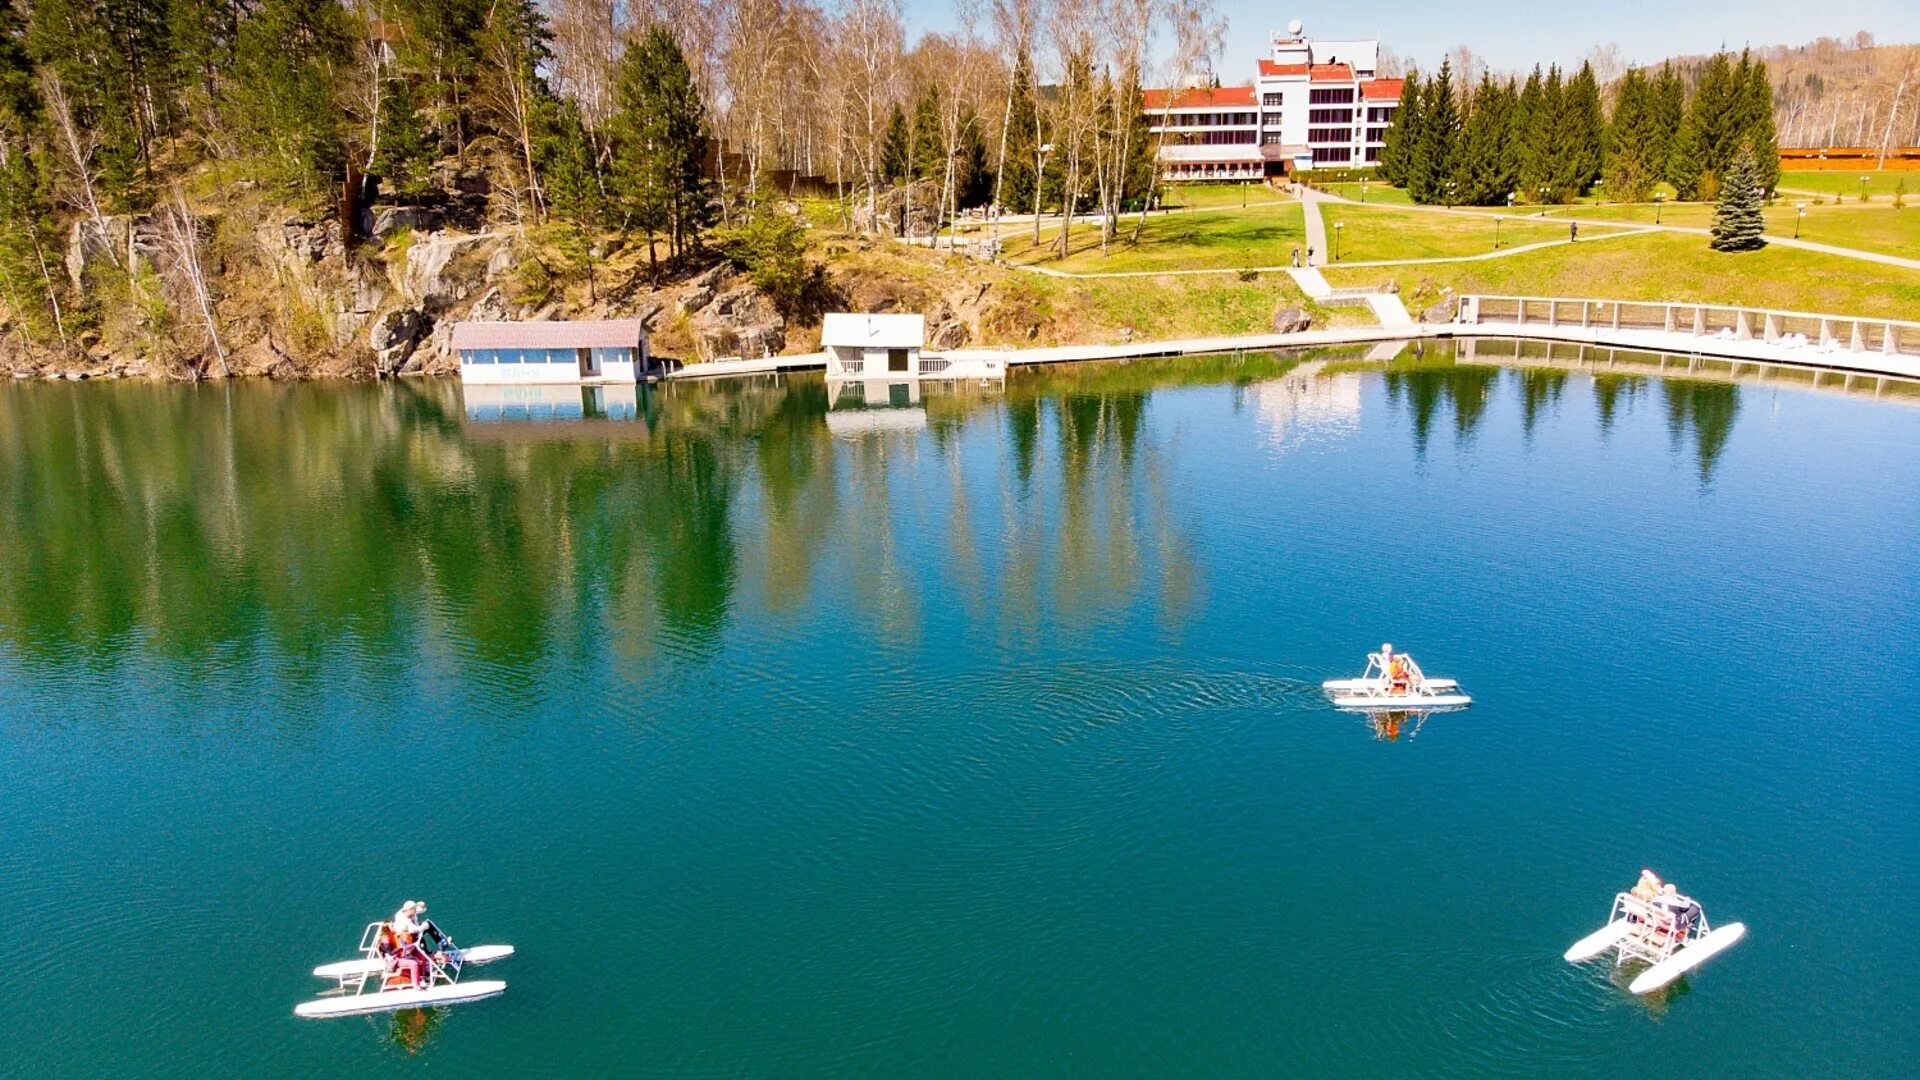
point(1199, 33)
point(873, 35)
point(184, 270)
point(77, 143)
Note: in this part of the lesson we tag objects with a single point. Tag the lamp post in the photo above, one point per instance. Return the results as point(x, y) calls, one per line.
point(1863, 189)
point(1659, 200)
point(1451, 200)
point(1497, 218)
point(1511, 195)
point(1338, 228)
point(1799, 211)
point(1363, 189)
point(1545, 190)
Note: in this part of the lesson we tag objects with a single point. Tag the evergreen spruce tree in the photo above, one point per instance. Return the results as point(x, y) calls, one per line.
point(1760, 132)
point(1632, 167)
point(581, 207)
point(1523, 149)
point(1483, 169)
point(405, 153)
point(1432, 166)
point(1713, 115)
point(1668, 105)
point(1579, 134)
point(659, 128)
point(896, 148)
point(1017, 185)
point(1738, 224)
point(973, 165)
point(1545, 182)
point(927, 159)
point(1399, 147)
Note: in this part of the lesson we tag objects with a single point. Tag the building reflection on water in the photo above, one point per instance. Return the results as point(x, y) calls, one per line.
point(1306, 405)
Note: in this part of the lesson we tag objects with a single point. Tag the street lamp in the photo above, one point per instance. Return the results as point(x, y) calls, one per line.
point(1363, 189)
point(1659, 200)
point(1799, 211)
point(1338, 228)
point(1863, 189)
point(1451, 184)
point(1511, 195)
point(1497, 219)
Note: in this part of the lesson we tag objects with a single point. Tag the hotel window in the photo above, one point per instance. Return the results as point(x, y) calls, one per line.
point(1341, 96)
point(1323, 155)
point(1327, 135)
point(1271, 101)
point(1271, 119)
point(1330, 116)
point(1272, 139)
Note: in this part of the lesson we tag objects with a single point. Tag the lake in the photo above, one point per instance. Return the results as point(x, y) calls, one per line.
point(964, 732)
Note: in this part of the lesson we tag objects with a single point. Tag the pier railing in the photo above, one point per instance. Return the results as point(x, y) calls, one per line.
point(1828, 333)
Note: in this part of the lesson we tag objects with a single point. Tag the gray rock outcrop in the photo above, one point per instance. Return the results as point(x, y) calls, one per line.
point(1291, 319)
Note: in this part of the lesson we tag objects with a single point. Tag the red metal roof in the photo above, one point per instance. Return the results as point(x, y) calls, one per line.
point(1330, 73)
point(1382, 89)
point(1198, 97)
point(583, 334)
point(1271, 70)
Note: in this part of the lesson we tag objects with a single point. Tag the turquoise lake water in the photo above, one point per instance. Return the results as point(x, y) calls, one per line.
point(979, 736)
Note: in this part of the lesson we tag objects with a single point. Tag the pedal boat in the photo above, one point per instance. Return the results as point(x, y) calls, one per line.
point(366, 985)
point(1668, 933)
point(1375, 690)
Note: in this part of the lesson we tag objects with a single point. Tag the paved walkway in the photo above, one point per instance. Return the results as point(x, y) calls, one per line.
point(1316, 226)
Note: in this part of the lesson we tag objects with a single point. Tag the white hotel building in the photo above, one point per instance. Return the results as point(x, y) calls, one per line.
point(1314, 104)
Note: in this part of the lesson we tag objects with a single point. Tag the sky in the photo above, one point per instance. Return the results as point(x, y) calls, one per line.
point(1514, 35)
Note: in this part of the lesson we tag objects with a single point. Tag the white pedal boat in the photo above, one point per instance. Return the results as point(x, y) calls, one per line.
point(389, 1000)
point(373, 984)
point(1379, 689)
point(373, 965)
point(1670, 933)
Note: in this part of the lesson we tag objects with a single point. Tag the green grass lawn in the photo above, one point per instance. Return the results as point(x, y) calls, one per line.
point(1847, 182)
point(1865, 226)
point(1213, 196)
point(1206, 240)
point(1384, 194)
point(1666, 266)
point(1381, 233)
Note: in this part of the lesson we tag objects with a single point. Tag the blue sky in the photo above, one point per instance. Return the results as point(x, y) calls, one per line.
point(1512, 34)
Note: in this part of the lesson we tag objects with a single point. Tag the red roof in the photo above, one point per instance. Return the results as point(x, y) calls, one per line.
point(1382, 89)
point(1271, 70)
point(583, 334)
point(1198, 97)
point(1331, 73)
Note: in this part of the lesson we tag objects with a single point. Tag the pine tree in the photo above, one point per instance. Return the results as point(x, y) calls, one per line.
point(1738, 223)
point(1632, 167)
point(659, 127)
point(1431, 168)
point(291, 53)
point(577, 194)
point(404, 154)
point(1400, 146)
point(973, 165)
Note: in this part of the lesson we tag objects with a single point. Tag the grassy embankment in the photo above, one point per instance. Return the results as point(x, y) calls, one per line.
point(1024, 309)
point(1846, 183)
point(1373, 233)
point(1666, 266)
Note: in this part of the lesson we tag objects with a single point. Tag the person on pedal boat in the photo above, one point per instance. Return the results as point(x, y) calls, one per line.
point(400, 958)
point(1394, 669)
point(1647, 887)
point(408, 930)
point(425, 934)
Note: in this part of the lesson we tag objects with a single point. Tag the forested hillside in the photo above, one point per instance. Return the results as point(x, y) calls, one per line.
point(201, 187)
point(1839, 91)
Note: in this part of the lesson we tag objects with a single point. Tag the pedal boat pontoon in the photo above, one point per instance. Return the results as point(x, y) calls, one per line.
point(1376, 689)
point(367, 985)
point(1669, 932)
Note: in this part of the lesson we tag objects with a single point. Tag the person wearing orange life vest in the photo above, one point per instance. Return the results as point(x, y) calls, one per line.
point(1393, 668)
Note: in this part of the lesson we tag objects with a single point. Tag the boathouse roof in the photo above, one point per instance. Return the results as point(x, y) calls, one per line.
point(570, 334)
point(859, 331)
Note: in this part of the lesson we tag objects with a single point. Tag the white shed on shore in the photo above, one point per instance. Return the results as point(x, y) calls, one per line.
point(873, 346)
point(518, 353)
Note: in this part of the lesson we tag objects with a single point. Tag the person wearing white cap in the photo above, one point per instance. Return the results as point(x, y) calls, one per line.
point(1394, 669)
point(412, 926)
